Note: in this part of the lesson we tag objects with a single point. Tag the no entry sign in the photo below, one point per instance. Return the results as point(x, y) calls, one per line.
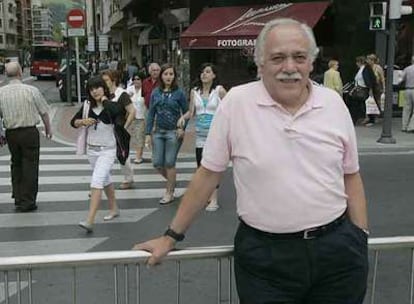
point(75, 18)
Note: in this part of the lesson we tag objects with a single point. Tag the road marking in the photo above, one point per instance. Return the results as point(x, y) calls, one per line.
point(86, 179)
point(84, 167)
point(49, 246)
point(67, 157)
point(79, 196)
point(47, 219)
point(386, 153)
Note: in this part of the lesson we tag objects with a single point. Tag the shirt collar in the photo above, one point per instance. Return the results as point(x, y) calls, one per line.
point(15, 81)
point(311, 102)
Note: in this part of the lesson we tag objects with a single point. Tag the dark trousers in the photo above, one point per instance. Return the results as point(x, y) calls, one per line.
point(330, 269)
point(24, 149)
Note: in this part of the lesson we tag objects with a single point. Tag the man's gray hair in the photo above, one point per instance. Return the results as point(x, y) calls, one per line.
point(261, 39)
point(13, 69)
point(153, 65)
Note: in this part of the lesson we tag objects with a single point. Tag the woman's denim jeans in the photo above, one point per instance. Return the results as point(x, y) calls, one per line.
point(164, 148)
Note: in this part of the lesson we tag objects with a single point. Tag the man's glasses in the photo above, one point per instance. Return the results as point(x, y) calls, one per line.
point(137, 78)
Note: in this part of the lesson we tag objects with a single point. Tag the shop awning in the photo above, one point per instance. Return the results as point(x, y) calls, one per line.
point(237, 27)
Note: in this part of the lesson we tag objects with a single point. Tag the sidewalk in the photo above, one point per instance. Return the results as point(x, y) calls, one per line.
point(367, 136)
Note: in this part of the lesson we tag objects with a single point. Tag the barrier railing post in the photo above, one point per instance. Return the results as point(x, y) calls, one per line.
point(74, 285)
point(138, 282)
point(126, 283)
point(29, 279)
point(116, 284)
point(374, 277)
point(6, 286)
point(19, 292)
point(178, 281)
point(230, 280)
point(218, 281)
point(412, 277)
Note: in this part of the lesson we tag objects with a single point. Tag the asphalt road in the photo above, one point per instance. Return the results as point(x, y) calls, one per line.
point(63, 202)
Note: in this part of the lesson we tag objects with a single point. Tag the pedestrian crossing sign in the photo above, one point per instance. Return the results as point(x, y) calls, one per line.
point(377, 23)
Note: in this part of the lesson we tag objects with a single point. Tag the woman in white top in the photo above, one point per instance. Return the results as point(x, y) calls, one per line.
point(119, 95)
point(101, 146)
point(204, 100)
point(137, 128)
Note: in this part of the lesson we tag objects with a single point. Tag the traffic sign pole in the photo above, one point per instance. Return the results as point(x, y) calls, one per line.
point(78, 82)
point(76, 19)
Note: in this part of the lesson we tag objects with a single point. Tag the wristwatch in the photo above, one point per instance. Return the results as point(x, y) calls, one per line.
point(176, 236)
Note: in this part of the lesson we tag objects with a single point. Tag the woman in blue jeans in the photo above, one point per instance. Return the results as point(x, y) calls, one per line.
point(167, 104)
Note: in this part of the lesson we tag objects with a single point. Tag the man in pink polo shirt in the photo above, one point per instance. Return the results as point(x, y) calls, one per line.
point(303, 232)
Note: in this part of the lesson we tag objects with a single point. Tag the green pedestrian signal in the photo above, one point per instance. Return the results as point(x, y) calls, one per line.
point(377, 16)
point(377, 23)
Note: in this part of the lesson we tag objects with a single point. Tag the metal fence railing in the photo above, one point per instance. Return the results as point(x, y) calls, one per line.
point(126, 270)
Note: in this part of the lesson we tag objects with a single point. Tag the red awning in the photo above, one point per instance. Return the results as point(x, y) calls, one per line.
point(237, 27)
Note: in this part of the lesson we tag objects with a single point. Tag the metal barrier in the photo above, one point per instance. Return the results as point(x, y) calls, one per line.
point(23, 264)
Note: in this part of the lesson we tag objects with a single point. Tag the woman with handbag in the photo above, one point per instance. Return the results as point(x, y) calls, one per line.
point(364, 83)
point(120, 96)
point(167, 103)
point(101, 146)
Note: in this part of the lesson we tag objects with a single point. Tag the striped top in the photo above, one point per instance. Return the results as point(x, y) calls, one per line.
point(21, 104)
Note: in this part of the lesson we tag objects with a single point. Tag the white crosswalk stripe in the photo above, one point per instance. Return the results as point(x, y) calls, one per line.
point(63, 200)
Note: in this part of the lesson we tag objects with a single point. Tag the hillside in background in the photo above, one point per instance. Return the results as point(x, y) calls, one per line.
point(60, 8)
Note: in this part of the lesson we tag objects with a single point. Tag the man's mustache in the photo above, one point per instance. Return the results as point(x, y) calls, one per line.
point(289, 76)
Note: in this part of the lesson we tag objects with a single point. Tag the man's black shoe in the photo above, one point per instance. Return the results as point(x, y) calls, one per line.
point(26, 209)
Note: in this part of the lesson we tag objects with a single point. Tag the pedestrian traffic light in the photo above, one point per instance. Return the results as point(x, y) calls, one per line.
point(397, 9)
point(377, 16)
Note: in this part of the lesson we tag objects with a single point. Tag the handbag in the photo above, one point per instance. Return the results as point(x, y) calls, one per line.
point(359, 93)
point(3, 140)
point(371, 107)
point(81, 140)
point(122, 139)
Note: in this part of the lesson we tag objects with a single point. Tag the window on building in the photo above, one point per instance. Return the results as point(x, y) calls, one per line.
point(1, 22)
point(1, 39)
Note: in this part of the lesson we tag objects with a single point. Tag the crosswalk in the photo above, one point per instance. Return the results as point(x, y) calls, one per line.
point(63, 200)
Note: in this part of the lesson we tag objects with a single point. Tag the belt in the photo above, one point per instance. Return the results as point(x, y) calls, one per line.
point(21, 128)
point(306, 234)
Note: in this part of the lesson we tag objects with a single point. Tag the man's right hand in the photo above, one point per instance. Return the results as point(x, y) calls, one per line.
point(159, 248)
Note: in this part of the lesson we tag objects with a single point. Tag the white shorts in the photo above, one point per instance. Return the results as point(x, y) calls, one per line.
point(101, 160)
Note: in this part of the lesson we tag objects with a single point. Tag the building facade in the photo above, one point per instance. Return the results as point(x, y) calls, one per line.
point(42, 26)
point(8, 28)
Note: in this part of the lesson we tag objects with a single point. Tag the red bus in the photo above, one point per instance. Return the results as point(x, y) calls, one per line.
point(45, 59)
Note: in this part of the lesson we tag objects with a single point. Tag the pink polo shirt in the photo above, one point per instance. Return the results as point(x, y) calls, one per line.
point(288, 169)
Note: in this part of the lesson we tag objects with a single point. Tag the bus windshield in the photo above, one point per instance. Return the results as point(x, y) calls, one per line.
point(45, 53)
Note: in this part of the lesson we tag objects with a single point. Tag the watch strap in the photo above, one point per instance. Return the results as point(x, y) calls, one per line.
point(175, 235)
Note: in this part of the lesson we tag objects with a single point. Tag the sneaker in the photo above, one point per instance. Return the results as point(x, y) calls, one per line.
point(370, 124)
point(138, 161)
point(85, 225)
point(212, 206)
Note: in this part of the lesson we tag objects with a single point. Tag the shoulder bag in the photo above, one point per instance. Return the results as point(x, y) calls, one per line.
point(81, 141)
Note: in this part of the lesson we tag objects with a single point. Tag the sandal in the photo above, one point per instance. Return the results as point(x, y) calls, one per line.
point(125, 185)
